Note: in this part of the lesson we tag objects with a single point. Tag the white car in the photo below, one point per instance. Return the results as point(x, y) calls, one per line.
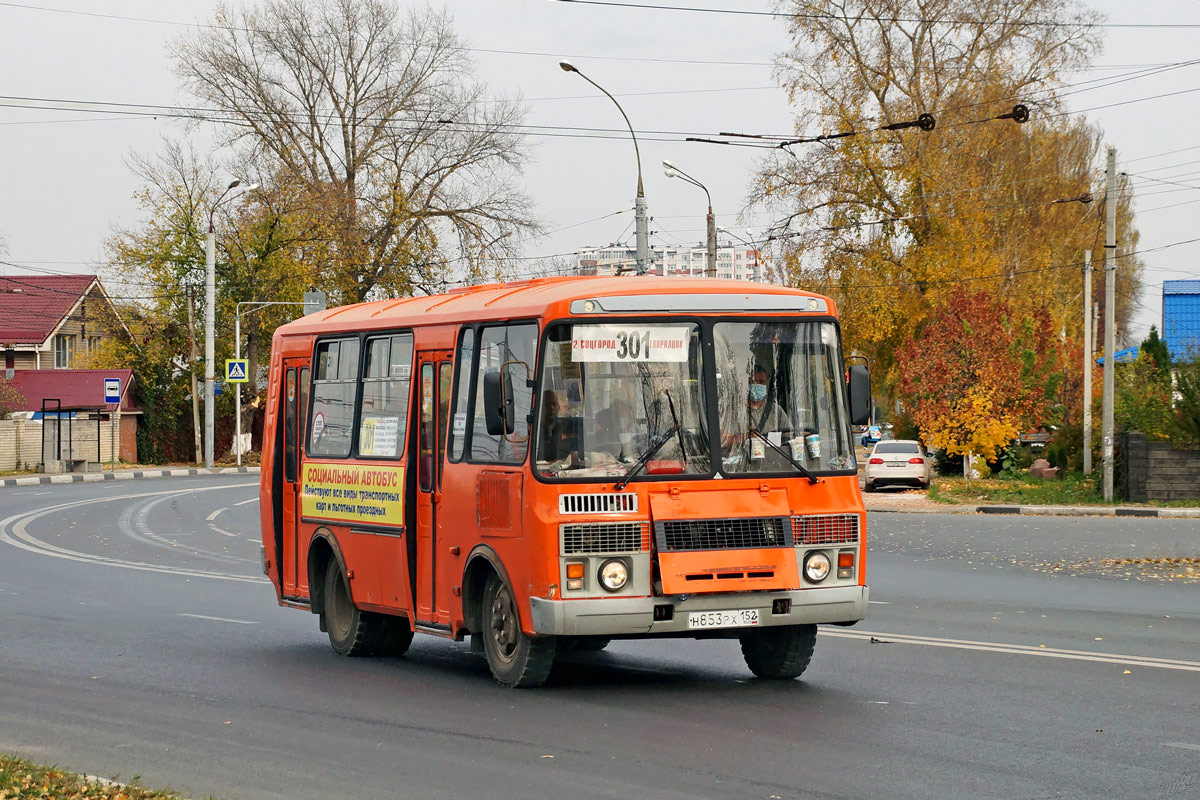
point(898, 462)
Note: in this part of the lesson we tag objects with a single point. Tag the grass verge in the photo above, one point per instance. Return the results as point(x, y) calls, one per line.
point(1073, 489)
point(21, 779)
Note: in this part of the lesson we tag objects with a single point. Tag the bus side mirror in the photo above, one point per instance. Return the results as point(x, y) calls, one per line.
point(498, 413)
point(859, 390)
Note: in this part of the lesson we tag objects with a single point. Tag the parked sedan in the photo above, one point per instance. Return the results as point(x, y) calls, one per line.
point(871, 435)
point(900, 462)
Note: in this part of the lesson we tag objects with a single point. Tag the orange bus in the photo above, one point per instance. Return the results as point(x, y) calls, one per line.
point(554, 463)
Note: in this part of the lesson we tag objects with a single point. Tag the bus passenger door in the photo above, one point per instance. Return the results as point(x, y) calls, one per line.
point(433, 406)
point(294, 408)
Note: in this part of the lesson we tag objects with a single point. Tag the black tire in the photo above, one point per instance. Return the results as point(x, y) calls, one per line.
point(868, 487)
point(394, 636)
point(516, 660)
point(779, 653)
point(353, 632)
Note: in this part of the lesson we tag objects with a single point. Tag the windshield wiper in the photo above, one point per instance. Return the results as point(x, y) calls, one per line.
point(678, 428)
point(645, 457)
point(803, 469)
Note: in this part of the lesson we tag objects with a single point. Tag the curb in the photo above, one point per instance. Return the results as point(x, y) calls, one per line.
point(96, 477)
point(1051, 511)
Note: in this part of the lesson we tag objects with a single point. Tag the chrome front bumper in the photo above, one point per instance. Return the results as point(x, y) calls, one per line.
point(614, 616)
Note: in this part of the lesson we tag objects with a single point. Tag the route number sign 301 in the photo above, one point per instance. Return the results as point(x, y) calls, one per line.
point(629, 343)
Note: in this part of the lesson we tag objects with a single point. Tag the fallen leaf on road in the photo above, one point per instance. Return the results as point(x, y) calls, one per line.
point(547, 756)
point(880, 641)
point(1098, 639)
point(1127, 672)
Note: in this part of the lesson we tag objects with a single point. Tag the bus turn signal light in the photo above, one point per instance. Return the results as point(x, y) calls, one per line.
point(574, 570)
point(845, 565)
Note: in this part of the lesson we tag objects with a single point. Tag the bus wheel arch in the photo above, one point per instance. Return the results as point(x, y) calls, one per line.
point(321, 549)
point(481, 563)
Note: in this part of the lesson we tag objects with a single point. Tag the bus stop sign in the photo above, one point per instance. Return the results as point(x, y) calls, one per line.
point(112, 390)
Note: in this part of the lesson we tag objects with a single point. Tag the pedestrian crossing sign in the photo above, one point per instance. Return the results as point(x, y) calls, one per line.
point(236, 370)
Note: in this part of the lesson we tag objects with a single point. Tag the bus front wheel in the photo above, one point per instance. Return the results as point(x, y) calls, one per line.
point(779, 653)
point(516, 660)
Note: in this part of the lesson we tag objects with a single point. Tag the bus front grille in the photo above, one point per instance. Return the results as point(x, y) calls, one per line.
point(601, 538)
point(722, 534)
point(819, 529)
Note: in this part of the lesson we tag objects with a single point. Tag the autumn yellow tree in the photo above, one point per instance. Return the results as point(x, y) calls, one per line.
point(891, 222)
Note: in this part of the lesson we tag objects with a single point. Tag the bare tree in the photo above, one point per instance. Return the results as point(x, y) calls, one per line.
point(412, 164)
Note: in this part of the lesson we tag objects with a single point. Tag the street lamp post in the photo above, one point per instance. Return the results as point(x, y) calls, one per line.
point(210, 317)
point(673, 171)
point(641, 221)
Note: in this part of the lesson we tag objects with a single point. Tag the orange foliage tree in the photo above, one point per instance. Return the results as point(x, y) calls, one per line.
point(975, 375)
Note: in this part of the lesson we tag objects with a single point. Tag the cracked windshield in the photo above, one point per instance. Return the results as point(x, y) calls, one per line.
point(622, 398)
point(781, 397)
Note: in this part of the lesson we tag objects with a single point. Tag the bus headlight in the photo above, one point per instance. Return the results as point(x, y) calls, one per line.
point(614, 575)
point(816, 566)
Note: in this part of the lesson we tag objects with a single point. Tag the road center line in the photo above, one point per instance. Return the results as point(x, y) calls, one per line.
point(215, 514)
point(220, 619)
point(1018, 649)
point(247, 502)
point(1182, 745)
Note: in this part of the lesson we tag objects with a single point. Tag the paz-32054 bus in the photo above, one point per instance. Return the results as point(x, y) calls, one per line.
point(556, 463)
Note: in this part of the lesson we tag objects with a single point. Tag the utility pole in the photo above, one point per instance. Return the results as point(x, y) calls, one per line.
point(1087, 362)
point(193, 355)
point(673, 171)
point(1110, 315)
point(210, 316)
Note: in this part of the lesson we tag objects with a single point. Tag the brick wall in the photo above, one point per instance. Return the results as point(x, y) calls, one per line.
point(20, 444)
point(1158, 470)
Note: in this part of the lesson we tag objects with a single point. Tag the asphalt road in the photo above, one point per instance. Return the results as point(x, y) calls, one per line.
point(1013, 657)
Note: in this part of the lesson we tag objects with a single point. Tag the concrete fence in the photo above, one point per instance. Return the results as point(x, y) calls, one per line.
point(21, 441)
point(1158, 470)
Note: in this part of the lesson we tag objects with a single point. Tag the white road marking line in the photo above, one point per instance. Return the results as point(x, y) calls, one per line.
point(215, 514)
point(1020, 649)
point(28, 494)
point(220, 619)
point(1182, 745)
point(21, 538)
point(879, 602)
point(221, 531)
point(245, 502)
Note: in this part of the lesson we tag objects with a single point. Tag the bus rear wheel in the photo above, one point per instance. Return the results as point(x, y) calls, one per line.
point(353, 632)
point(779, 653)
point(516, 660)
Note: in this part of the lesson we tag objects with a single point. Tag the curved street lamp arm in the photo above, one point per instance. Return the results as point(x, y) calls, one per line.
point(637, 153)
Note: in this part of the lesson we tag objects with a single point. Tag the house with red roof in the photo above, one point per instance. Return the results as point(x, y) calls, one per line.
point(49, 325)
point(54, 321)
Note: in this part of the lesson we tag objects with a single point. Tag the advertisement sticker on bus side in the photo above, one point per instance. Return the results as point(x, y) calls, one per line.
point(353, 493)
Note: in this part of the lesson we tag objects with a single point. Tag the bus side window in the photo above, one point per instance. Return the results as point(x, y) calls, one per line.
point(514, 345)
point(334, 390)
point(289, 428)
point(462, 393)
point(384, 406)
point(425, 445)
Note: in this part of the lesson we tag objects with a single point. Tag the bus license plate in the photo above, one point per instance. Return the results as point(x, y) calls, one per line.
point(723, 619)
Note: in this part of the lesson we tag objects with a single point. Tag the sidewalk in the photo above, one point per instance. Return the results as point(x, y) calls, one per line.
point(913, 503)
point(121, 475)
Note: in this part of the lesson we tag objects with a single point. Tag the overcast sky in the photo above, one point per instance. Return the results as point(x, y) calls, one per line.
point(65, 183)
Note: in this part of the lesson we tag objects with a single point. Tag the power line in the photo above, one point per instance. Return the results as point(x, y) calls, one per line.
point(869, 18)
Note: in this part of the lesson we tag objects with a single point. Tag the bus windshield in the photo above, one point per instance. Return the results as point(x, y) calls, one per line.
point(781, 397)
point(615, 395)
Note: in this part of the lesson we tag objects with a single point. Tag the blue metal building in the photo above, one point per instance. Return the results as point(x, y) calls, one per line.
point(1181, 318)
